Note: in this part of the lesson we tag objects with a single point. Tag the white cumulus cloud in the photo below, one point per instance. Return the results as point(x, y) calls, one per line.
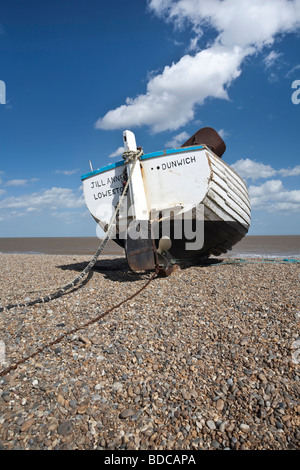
point(47, 199)
point(272, 196)
point(290, 171)
point(271, 58)
point(171, 96)
point(21, 182)
point(117, 152)
point(242, 28)
point(177, 140)
point(250, 169)
point(238, 22)
point(67, 172)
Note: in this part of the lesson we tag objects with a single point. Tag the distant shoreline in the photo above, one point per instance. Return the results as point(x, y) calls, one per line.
point(251, 245)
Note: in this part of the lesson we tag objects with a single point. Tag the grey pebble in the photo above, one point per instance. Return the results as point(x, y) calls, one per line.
point(65, 428)
point(211, 424)
point(127, 413)
point(174, 368)
point(5, 396)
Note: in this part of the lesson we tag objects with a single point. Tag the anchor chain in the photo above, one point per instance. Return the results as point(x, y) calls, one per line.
point(129, 156)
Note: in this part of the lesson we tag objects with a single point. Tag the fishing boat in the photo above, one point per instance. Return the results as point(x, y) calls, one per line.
point(182, 205)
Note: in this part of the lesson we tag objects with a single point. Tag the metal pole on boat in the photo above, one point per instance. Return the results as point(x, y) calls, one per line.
point(139, 246)
point(139, 208)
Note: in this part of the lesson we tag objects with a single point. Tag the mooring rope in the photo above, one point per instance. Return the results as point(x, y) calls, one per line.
point(74, 330)
point(130, 156)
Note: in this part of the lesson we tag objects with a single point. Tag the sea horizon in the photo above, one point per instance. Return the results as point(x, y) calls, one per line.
point(250, 246)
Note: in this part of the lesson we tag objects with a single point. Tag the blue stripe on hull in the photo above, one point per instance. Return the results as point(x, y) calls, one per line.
point(143, 157)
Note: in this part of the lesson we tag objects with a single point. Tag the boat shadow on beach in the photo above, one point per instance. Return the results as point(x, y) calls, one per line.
point(117, 269)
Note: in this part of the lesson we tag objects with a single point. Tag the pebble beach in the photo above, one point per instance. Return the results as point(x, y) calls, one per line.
point(205, 359)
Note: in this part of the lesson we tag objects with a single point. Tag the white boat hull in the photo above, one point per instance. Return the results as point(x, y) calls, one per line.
point(175, 187)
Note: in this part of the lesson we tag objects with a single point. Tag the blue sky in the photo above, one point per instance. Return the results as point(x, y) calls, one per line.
point(77, 73)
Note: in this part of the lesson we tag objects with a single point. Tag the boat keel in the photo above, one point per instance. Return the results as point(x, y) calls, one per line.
point(140, 250)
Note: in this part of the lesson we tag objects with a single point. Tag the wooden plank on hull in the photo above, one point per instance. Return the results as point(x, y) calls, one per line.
point(229, 171)
point(240, 201)
point(231, 201)
point(211, 204)
point(231, 183)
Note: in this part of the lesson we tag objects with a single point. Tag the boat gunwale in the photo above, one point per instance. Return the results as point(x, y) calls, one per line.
point(147, 156)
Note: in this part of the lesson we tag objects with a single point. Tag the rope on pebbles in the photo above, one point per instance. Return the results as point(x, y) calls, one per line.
point(74, 330)
point(133, 157)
